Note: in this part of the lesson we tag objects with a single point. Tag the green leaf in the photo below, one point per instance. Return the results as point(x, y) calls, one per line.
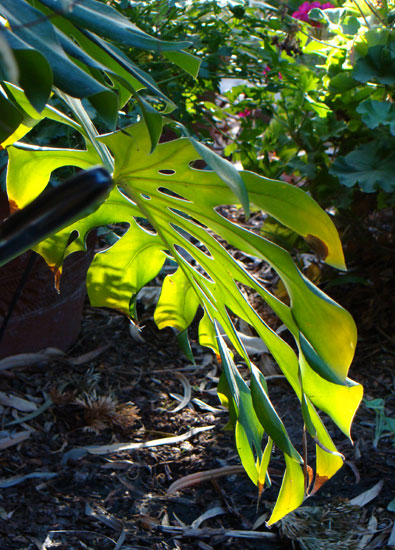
point(30, 167)
point(248, 430)
point(342, 82)
point(263, 476)
point(297, 211)
point(127, 65)
point(97, 54)
point(318, 107)
point(105, 21)
point(35, 75)
point(291, 492)
point(31, 116)
point(31, 27)
point(226, 171)
point(56, 248)
point(267, 415)
point(8, 65)
point(245, 453)
point(10, 118)
point(154, 121)
point(177, 304)
point(116, 276)
point(375, 113)
point(350, 25)
point(378, 65)
point(372, 166)
point(328, 459)
point(186, 61)
point(207, 336)
point(185, 345)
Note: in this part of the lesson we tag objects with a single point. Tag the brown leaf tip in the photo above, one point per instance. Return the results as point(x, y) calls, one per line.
point(318, 246)
point(57, 272)
point(13, 206)
point(318, 483)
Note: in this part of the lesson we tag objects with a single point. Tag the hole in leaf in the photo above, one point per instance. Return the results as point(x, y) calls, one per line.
point(144, 224)
point(60, 136)
point(185, 255)
point(187, 217)
point(168, 134)
point(199, 164)
point(167, 172)
point(258, 303)
point(126, 196)
point(72, 237)
point(119, 228)
point(171, 194)
point(146, 197)
point(193, 263)
point(193, 240)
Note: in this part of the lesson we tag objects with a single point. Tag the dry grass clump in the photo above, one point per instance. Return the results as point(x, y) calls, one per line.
point(335, 526)
point(95, 413)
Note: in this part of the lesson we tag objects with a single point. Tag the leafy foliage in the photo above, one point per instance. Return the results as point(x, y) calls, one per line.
point(172, 210)
point(371, 165)
point(69, 46)
point(374, 113)
point(300, 85)
point(180, 204)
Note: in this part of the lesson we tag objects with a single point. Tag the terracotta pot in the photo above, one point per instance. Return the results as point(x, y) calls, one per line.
point(42, 317)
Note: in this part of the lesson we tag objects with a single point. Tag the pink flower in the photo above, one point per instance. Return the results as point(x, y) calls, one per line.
point(304, 9)
point(244, 113)
point(267, 70)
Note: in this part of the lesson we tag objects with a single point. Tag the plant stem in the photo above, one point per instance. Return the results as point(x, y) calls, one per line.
point(79, 111)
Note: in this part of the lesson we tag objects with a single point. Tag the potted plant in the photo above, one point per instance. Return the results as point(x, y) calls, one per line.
point(172, 210)
point(38, 308)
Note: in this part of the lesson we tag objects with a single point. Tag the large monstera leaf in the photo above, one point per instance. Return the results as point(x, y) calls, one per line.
point(172, 210)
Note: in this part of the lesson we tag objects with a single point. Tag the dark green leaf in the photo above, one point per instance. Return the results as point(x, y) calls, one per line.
point(317, 363)
point(185, 345)
point(226, 171)
point(342, 82)
point(109, 23)
point(188, 62)
point(375, 113)
point(153, 120)
point(350, 25)
point(34, 72)
point(379, 64)
point(126, 64)
point(8, 64)
point(30, 26)
point(10, 118)
point(268, 416)
point(372, 166)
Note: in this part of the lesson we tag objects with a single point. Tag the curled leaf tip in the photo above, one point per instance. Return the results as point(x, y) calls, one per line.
point(309, 475)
